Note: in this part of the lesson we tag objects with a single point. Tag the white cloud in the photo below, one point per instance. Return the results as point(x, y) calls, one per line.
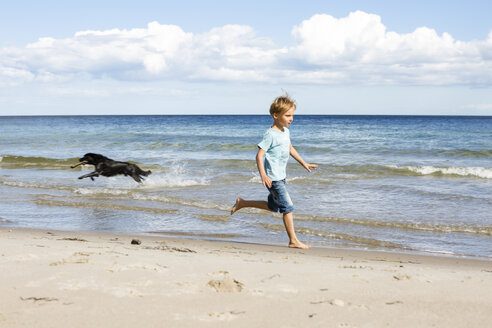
point(362, 38)
point(100, 90)
point(359, 46)
point(353, 49)
point(14, 76)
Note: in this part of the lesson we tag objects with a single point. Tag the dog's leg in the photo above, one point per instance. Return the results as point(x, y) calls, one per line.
point(90, 175)
point(136, 178)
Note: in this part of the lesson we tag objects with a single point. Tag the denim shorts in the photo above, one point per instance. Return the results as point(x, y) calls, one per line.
point(279, 199)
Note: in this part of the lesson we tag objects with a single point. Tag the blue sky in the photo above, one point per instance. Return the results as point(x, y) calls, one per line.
point(226, 57)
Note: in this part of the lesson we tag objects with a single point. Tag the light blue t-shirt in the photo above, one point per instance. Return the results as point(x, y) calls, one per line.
point(276, 144)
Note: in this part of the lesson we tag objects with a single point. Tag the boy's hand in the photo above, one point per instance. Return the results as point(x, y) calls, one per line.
point(267, 182)
point(308, 166)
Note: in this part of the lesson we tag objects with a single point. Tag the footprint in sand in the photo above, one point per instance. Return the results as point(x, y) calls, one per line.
point(123, 290)
point(42, 300)
point(76, 258)
point(271, 278)
point(341, 303)
point(137, 266)
point(73, 239)
point(357, 267)
point(225, 316)
point(226, 285)
point(345, 325)
point(402, 277)
point(334, 302)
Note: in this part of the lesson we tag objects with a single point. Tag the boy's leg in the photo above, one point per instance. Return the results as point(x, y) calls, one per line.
point(241, 203)
point(289, 226)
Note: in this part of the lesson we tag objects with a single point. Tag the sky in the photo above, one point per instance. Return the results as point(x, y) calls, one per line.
point(234, 57)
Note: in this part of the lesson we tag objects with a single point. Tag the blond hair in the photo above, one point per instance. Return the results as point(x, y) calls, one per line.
point(282, 104)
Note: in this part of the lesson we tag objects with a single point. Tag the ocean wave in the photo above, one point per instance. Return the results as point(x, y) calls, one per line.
point(328, 173)
point(479, 172)
point(364, 171)
point(468, 152)
point(231, 163)
point(2, 220)
point(357, 171)
point(138, 193)
point(437, 228)
point(120, 186)
point(198, 145)
point(46, 163)
point(33, 185)
point(349, 148)
point(114, 186)
point(49, 201)
point(22, 162)
point(106, 198)
point(135, 194)
point(295, 180)
point(171, 180)
point(334, 235)
point(227, 147)
point(202, 204)
point(101, 191)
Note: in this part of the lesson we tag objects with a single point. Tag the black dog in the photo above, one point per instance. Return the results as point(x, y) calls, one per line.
point(108, 168)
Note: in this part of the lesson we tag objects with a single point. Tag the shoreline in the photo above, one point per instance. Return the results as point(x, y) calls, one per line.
point(62, 278)
point(315, 250)
point(320, 250)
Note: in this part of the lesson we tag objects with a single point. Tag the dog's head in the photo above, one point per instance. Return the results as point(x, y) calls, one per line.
point(90, 158)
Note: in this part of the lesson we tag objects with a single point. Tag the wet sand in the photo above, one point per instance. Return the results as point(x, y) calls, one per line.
point(74, 279)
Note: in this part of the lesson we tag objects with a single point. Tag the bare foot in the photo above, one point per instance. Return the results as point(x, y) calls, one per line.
point(300, 245)
point(237, 206)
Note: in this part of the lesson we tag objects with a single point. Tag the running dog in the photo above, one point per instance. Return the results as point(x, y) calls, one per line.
point(108, 167)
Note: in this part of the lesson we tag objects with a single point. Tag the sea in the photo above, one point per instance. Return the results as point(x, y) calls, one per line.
point(409, 184)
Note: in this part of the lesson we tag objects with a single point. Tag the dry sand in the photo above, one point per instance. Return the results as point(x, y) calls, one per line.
point(73, 279)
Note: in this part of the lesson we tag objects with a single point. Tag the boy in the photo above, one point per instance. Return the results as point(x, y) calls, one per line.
point(271, 159)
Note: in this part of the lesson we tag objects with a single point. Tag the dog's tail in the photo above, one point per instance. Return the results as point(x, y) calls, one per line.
point(138, 177)
point(144, 173)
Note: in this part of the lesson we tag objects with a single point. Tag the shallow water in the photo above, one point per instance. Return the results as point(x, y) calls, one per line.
point(384, 182)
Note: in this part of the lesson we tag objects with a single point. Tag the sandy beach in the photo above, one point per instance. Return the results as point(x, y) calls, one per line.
point(74, 279)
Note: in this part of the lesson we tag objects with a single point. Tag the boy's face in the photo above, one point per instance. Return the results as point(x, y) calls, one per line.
point(284, 119)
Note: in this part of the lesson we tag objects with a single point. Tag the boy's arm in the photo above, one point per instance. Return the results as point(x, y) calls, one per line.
point(297, 157)
point(261, 168)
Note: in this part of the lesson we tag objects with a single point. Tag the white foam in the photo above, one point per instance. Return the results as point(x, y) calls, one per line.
point(20, 184)
point(176, 177)
point(92, 191)
point(180, 201)
point(255, 179)
point(170, 180)
point(480, 172)
point(443, 252)
point(295, 178)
